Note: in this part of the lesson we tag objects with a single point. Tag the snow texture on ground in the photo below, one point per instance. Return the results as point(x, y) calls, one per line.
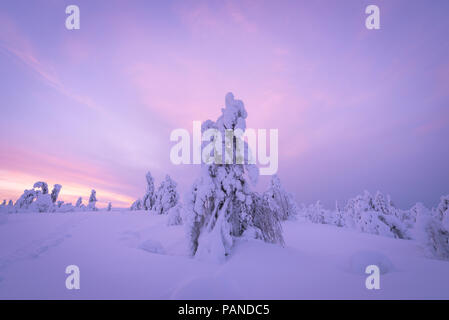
point(135, 255)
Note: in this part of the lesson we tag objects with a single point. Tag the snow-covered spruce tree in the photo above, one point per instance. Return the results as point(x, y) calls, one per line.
point(380, 203)
point(442, 209)
point(42, 202)
point(221, 206)
point(265, 220)
point(431, 233)
point(42, 185)
point(79, 202)
point(350, 213)
point(109, 208)
point(92, 201)
point(317, 214)
point(166, 196)
point(25, 200)
point(287, 206)
point(137, 205)
point(338, 218)
point(408, 217)
point(55, 192)
point(149, 197)
point(414, 211)
point(385, 206)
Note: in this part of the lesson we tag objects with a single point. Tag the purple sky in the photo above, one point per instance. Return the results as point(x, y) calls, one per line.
point(356, 109)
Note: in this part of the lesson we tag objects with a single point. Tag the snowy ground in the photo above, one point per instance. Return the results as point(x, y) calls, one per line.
point(134, 255)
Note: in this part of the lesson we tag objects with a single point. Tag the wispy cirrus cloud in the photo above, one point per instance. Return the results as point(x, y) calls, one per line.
point(18, 46)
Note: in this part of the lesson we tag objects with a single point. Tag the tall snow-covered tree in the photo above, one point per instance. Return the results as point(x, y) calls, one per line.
point(431, 233)
point(442, 210)
point(149, 197)
point(92, 201)
point(55, 192)
point(166, 196)
point(221, 205)
point(287, 205)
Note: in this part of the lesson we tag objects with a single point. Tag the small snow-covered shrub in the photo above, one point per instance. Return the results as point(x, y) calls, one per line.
point(79, 206)
point(174, 217)
point(66, 207)
point(338, 217)
point(317, 214)
point(166, 197)
point(137, 205)
point(287, 207)
point(42, 203)
point(92, 201)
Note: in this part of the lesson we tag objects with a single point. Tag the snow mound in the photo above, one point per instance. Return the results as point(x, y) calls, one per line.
point(207, 287)
point(152, 246)
point(359, 261)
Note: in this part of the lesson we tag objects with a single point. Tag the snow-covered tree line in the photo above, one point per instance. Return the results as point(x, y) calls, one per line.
point(160, 201)
point(38, 199)
point(378, 215)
